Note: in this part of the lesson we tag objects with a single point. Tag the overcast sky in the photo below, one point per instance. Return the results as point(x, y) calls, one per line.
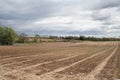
point(62, 17)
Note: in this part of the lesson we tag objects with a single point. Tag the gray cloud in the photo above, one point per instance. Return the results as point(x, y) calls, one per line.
point(102, 4)
point(115, 27)
point(107, 23)
point(97, 15)
point(58, 16)
point(109, 4)
point(24, 11)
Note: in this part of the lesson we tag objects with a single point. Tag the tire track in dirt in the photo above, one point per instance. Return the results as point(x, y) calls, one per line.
point(29, 67)
point(68, 66)
point(26, 61)
point(50, 50)
point(19, 71)
point(56, 70)
point(17, 60)
point(82, 54)
point(4, 73)
point(112, 67)
point(14, 71)
point(23, 58)
point(87, 66)
point(20, 56)
point(92, 75)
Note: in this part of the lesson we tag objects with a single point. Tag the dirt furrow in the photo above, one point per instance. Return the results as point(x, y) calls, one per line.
point(91, 57)
point(112, 70)
point(23, 58)
point(37, 65)
point(29, 52)
point(38, 59)
point(26, 59)
point(32, 66)
point(10, 73)
point(21, 51)
point(16, 59)
point(57, 64)
point(100, 67)
point(86, 66)
point(68, 66)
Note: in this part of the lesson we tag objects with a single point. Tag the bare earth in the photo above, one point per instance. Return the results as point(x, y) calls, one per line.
point(61, 61)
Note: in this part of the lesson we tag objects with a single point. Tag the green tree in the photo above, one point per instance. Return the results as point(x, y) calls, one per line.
point(7, 35)
point(37, 38)
point(82, 38)
point(22, 38)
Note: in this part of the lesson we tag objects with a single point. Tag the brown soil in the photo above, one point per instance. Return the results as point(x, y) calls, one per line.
point(60, 61)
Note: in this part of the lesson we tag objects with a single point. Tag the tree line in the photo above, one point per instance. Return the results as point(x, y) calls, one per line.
point(8, 36)
point(84, 38)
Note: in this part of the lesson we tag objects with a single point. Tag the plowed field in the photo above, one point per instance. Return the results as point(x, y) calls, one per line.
point(61, 61)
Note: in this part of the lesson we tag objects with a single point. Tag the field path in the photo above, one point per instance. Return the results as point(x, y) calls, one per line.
point(92, 75)
point(59, 48)
point(59, 67)
point(66, 67)
point(43, 63)
point(56, 70)
point(29, 67)
point(25, 58)
point(73, 64)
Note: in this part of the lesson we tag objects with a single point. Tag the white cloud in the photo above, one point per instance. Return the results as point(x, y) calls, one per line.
point(55, 20)
point(73, 16)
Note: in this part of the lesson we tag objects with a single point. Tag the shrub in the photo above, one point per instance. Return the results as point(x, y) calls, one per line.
point(7, 36)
